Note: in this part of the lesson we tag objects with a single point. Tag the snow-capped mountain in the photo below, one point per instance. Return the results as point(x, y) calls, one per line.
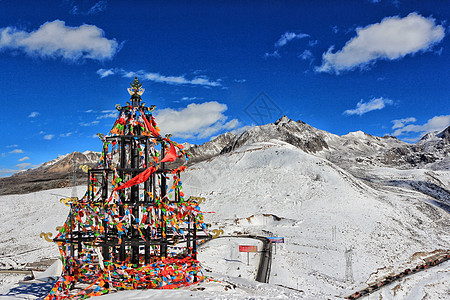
point(359, 154)
point(355, 148)
point(354, 152)
point(209, 149)
point(68, 161)
point(59, 172)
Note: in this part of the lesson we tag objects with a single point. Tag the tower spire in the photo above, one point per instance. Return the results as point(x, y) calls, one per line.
point(136, 91)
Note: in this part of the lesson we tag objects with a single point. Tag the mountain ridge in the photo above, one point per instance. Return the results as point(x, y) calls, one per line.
point(60, 172)
point(352, 152)
point(356, 146)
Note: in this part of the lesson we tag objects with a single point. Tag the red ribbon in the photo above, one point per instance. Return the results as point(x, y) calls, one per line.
point(171, 156)
point(149, 126)
point(141, 177)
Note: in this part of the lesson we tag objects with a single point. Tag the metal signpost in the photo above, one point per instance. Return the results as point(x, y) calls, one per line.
point(275, 241)
point(248, 249)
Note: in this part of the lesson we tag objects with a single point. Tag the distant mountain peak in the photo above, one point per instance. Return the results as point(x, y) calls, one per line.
point(445, 134)
point(357, 134)
point(282, 120)
point(436, 136)
point(60, 172)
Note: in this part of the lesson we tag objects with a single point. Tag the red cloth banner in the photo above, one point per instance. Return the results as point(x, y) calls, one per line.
point(171, 156)
point(141, 177)
point(246, 248)
point(149, 126)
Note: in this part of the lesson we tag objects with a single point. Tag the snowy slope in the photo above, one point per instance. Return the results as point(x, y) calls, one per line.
point(275, 189)
point(22, 220)
point(323, 211)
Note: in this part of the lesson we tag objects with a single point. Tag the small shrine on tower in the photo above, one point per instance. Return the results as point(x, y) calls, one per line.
point(134, 228)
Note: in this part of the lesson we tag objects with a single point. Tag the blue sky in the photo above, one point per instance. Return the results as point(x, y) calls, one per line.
point(214, 66)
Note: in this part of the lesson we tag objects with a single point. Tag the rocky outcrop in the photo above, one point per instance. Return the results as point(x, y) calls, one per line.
point(209, 149)
point(298, 134)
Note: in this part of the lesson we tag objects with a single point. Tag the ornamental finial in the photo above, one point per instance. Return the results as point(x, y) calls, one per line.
point(136, 88)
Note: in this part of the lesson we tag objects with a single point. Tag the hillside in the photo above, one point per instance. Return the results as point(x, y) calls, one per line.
point(276, 189)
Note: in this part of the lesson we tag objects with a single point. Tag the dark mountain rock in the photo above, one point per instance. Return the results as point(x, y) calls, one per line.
point(209, 149)
point(445, 135)
point(61, 172)
point(298, 134)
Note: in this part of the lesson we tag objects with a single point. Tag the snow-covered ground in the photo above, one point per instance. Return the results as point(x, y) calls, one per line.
point(340, 233)
point(275, 189)
point(23, 218)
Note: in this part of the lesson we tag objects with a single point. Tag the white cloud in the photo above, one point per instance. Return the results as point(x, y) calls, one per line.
point(199, 80)
point(156, 77)
point(74, 10)
point(23, 165)
point(289, 36)
point(105, 72)
point(402, 122)
point(15, 151)
point(97, 7)
point(24, 158)
point(190, 98)
point(195, 121)
point(392, 38)
point(12, 146)
point(273, 54)
point(108, 114)
point(306, 55)
point(55, 39)
point(373, 104)
point(34, 114)
point(335, 29)
point(313, 43)
point(232, 124)
point(437, 123)
point(87, 124)
point(88, 10)
point(66, 134)
point(283, 41)
point(48, 137)
point(7, 172)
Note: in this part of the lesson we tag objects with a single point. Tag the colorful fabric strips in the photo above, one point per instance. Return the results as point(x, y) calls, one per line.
point(141, 177)
point(170, 273)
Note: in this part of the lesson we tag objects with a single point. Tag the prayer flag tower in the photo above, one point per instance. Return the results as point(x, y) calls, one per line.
point(133, 228)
